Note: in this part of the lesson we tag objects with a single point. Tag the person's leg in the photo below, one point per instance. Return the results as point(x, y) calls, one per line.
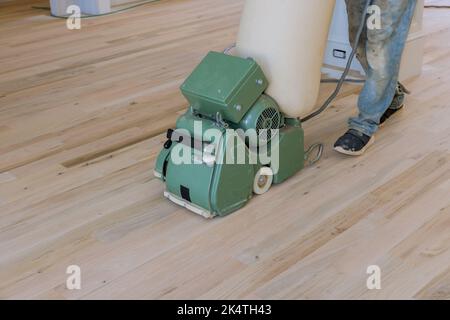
point(384, 49)
point(355, 9)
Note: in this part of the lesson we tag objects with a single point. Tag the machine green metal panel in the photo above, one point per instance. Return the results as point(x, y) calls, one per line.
point(220, 189)
point(195, 178)
point(225, 84)
point(233, 184)
point(292, 152)
point(226, 187)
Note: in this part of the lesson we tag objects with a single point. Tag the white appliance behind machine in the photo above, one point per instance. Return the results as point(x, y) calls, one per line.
point(59, 7)
point(339, 48)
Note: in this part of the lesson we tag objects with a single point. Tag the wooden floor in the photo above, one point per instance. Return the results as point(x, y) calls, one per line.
point(81, 120)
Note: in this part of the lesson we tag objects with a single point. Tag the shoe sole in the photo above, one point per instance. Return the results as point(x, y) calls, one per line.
point(356, 153)
point(381, 125)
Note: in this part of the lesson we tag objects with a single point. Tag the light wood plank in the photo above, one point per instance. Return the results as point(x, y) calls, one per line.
point(81, 120)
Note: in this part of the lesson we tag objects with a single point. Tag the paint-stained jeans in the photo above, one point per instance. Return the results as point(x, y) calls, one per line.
point(379, 52)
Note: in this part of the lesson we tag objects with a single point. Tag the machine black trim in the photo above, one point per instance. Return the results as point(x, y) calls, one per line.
point(185, 193)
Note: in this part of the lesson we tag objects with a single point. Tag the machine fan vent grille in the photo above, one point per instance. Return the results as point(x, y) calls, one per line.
point(267, 124)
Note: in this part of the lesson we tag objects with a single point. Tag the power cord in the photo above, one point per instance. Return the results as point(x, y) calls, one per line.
point(346, 80)
point(98, 15)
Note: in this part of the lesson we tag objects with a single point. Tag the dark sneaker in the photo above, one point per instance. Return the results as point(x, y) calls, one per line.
point(353, 143)
point(397, 104)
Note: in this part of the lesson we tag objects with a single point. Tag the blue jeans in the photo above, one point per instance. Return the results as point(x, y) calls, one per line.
point(379, 52)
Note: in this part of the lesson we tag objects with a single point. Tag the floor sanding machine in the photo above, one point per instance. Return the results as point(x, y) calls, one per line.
point(269, 82)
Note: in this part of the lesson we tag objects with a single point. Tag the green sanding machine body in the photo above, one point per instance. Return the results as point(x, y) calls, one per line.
point(225, 92)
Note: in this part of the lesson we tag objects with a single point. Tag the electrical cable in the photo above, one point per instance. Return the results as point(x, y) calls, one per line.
point(436, 7)
point(98, 15)
point(346, 80)
point(343, 78)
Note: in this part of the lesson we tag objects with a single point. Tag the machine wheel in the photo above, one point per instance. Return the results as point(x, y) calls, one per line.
point(263, 180)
